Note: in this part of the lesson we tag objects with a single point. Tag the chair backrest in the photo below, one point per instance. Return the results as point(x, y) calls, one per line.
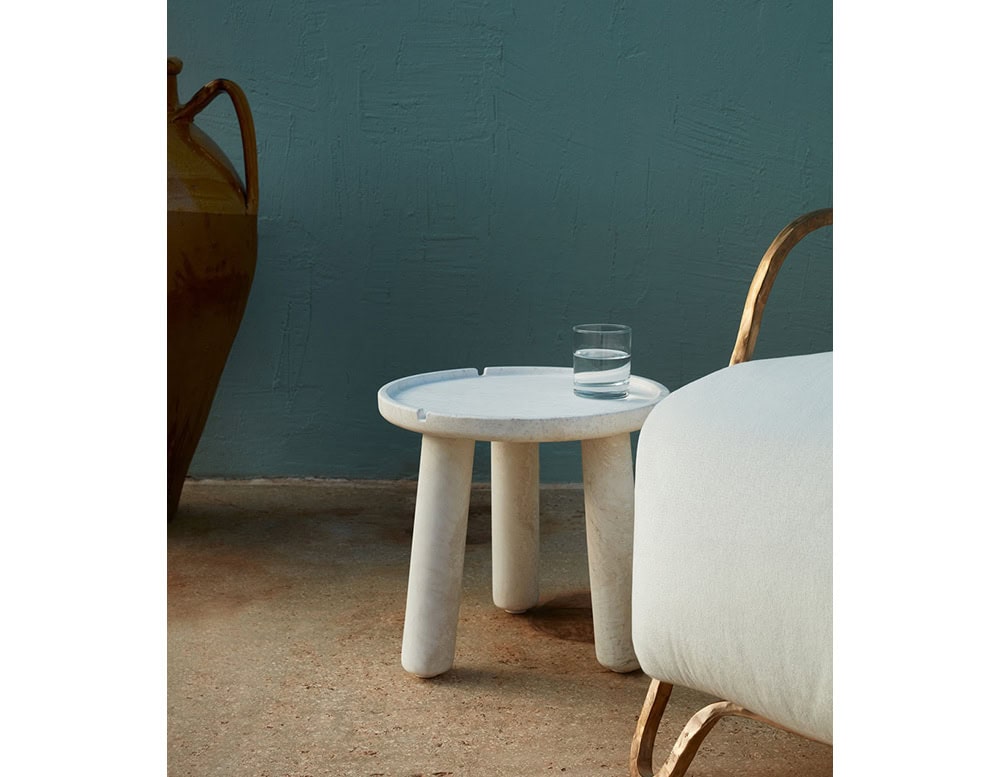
point(763, 279)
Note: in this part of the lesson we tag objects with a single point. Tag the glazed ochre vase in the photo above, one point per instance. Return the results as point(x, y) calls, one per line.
point(211, 257)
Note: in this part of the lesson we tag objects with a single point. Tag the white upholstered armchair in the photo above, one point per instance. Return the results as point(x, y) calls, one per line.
point(732, 573)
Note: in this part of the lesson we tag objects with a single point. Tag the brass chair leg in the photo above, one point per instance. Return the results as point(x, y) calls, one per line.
point(694, 733)
point(640, 762)
point(690, 739)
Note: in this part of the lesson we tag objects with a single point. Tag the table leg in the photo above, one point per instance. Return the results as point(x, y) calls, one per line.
point(440, 522)
point(608, 489)
point(514, 499)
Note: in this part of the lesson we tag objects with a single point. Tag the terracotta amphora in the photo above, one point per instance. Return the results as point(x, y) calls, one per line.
point(211, 257)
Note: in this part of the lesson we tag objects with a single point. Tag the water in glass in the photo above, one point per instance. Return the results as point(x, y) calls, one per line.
point(601, 372)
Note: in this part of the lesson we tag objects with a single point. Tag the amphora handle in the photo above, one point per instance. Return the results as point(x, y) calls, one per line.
point(201, 100)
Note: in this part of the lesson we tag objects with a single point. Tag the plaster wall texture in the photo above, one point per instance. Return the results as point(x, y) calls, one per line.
point(455, 184)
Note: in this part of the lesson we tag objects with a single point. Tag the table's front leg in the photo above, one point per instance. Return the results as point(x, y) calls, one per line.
point(437, 558)
point(514, 510)
point(609, 501)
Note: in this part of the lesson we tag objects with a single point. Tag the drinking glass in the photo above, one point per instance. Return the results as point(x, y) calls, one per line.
point(602, 360)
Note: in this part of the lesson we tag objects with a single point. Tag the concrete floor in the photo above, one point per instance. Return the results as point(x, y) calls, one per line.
point(286, 603)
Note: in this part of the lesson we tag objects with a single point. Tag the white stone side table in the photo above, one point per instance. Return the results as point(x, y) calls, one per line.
point(515, 409)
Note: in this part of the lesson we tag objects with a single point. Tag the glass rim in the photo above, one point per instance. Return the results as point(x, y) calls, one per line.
point(601, 328)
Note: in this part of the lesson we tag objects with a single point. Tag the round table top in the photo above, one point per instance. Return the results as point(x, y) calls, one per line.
point(513, 404)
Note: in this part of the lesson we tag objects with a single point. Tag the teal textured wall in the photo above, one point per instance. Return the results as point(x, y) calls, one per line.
point(454, 184)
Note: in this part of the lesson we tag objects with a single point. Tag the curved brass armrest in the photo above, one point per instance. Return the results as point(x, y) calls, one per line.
point(763, 279)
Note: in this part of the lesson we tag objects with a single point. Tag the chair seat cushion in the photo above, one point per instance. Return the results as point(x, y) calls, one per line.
point(732, 575)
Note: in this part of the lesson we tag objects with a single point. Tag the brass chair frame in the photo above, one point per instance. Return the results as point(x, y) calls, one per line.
point(702, 722)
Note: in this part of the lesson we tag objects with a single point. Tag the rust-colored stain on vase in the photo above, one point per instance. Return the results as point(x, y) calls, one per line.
point(211, 258)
